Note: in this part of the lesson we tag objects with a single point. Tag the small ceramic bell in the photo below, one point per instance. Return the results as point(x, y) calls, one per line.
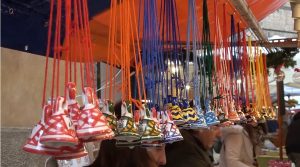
point(255, 113)
point(189, 115)
point(134, 143)
point(241, 114)
point(73, 106)
point(210, 116)
point(127, 130)
point(263, 115)
point(159, 141)
point(222, 118)
point(92, 124)
point(271, 113)
point(148, 128)
point(171, 131)
point(232, 114)
point(33, 144)
point(200, 123)
point(109, 112)
point(175, 110)
point(250, 119)
point(59, 130)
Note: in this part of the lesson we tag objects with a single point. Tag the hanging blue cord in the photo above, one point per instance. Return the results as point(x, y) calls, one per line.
point(239, 62)
point(233, 54)
point(186, 76)
point(175, 46)
point(152, 54)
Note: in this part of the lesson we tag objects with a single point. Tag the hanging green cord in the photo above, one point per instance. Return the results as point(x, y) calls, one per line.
point(207, 50)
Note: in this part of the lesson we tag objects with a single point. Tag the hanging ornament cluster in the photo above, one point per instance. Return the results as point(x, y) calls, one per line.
point(64, 126)
point(240, 78)
point(165, 86)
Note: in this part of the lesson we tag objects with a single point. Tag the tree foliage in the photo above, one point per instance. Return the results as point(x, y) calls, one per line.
point(279, 56)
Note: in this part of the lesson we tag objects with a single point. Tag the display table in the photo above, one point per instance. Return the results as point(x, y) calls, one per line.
point(263, 160)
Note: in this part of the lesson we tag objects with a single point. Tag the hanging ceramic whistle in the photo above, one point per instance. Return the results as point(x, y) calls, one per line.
point(33, 144)
point(263, 114)
point(107, 108)
point(250, 119)
point(59, 130)
point(73, 105)
point(221, 115)
point(241, 114)
point(255, 113)
point(171, 131)
point(200, 123)
point(161, 120)
point(189, 115)
point(210, 116)
point(135, 142)
point(232, 114)
point(223, 119)
point(92, 124)
point(127, 130)
point(175, 110)
point(154, 137)
point(148, 128)
point(271, 113)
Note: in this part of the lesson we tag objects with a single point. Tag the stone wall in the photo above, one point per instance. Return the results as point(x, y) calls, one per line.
point(279, 23)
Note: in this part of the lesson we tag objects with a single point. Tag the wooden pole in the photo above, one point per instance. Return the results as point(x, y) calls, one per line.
point(281, 109)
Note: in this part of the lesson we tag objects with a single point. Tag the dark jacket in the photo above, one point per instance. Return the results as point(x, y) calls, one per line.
point(187, 153)
point(292, 143)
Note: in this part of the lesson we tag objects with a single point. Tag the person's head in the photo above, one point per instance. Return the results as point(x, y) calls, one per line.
point(255, 131)
point(150, 157)
point(110, 155)
point(207, 136)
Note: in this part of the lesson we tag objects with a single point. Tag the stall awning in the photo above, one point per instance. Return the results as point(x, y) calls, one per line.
point(260, 8)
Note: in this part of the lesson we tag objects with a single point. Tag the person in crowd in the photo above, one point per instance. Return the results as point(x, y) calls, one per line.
point(110, 155)
point(239, 144)
point(292, 143)
point(194, 150)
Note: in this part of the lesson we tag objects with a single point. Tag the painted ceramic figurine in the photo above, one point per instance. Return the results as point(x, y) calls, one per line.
point(73, 105)
point(92, 124)
point(59, 130)
point(210, 116)
point(127, 130)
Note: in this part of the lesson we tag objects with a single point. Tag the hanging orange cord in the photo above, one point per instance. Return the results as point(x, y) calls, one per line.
point(138, 58)
point(251, 72)
point(48, 50)
point(90, 60)
point(67, 41)
point(83, 45)
point(55, 54)
point(269, 102)
point(245, 61)
point(77, 43)
point(110, 64)
point(58, 47)
point(126, 26)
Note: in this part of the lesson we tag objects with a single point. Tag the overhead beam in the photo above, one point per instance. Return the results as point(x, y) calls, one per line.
point(247, 14)
point(282, 43)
